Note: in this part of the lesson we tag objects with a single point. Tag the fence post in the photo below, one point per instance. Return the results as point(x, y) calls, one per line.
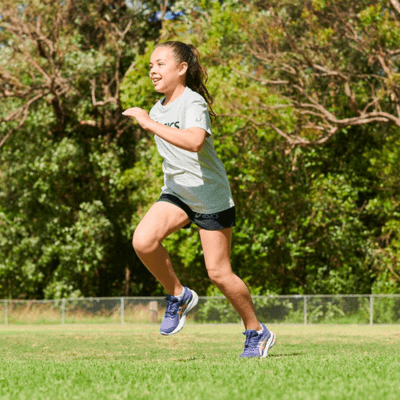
point(6, 312)
point(62, 311)
point(122, 311)
point(153, 310)
point(305, 310)
point(371, 309)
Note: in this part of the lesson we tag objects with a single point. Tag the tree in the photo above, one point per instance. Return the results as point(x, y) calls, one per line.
point(305, 217)
point(317, 199)
point(333, 63)
point(65, 220)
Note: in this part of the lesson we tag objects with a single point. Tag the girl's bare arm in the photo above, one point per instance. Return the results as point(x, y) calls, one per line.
point(191, 139)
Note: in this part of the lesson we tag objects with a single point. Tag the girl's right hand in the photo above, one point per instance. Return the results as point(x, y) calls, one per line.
point(141, 116)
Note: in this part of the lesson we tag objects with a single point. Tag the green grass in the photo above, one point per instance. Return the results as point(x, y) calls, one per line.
point(201, 362)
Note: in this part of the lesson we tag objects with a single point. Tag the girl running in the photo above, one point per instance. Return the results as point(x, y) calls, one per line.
point(196, 190)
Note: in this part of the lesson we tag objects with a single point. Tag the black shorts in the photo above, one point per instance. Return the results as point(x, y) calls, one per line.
point(209, 222)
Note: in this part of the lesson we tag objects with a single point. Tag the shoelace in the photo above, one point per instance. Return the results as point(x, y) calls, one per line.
point(172, 307)
point(251, 339)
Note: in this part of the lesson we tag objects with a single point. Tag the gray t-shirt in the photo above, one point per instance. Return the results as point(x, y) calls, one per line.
point(198, 179)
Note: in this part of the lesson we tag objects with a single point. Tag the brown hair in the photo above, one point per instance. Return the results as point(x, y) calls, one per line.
point(196, 75)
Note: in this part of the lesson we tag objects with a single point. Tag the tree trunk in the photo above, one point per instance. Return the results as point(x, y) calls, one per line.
point(127, 280)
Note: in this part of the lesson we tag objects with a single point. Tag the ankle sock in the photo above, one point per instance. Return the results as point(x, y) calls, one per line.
point(181, 295)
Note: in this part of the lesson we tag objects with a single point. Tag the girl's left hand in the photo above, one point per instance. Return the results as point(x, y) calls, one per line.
point(141, 116)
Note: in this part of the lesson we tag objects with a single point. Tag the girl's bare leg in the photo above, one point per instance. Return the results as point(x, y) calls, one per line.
point(216, 248)
point(160, 221)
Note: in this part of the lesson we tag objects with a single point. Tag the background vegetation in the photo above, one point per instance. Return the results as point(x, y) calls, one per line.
point(308, 102)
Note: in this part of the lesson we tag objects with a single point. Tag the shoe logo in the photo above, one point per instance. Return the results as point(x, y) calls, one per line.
point(181, 310)
point(263, 344)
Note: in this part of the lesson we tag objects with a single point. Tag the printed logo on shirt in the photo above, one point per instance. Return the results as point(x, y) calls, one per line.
point(173, 124)
point(207, 216)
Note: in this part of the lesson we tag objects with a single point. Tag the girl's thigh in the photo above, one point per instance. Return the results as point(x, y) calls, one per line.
point(161, 220)
point(216, 248)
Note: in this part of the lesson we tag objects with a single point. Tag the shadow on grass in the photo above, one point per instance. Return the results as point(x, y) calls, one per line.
point(251, 358)
point(189, 359)
point(285, 355)
point(274, 356)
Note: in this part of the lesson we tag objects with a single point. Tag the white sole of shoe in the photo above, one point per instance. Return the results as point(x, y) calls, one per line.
point(270, 342)
point(190, 306)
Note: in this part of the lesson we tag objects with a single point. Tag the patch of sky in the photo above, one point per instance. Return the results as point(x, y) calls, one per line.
point(230, 3)
point(381, 72)
point(173, 15)
point(137, 6)
point(395, 60)
point(265, 13)
point(21, 7)
point(184, 6)
point(169, 15)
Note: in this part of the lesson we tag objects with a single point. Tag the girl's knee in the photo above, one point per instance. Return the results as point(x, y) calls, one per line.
point(143, 242)
point(219, 276)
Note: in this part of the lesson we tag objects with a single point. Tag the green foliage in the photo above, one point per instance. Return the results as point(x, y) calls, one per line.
point(137, 89)
point(65, 213)
point(272, 309)
point(76, 177)
point(217, 310)
point(56, 237)
point(386, 310)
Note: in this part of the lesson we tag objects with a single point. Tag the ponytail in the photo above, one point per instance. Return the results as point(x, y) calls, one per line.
point(196, 75)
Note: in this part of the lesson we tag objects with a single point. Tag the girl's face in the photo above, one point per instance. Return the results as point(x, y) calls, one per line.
point(165, 73)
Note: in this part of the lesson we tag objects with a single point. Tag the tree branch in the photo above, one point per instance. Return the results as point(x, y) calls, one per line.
point(17, 113)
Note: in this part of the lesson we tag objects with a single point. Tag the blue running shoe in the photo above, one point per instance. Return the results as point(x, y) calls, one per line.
point(176, 312)
point(258, 344)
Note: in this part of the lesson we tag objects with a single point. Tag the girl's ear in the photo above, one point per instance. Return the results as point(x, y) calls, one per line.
point(183, 68)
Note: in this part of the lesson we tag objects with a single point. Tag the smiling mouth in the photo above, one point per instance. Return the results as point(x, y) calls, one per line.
point(156, 80)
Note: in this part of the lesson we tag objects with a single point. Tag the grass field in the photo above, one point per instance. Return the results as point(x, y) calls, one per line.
point(201, 362)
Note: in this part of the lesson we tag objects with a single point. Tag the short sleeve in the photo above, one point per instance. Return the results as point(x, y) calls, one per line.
point(197, 116)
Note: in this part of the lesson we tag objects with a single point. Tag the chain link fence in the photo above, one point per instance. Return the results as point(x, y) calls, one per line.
point(299, 309)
